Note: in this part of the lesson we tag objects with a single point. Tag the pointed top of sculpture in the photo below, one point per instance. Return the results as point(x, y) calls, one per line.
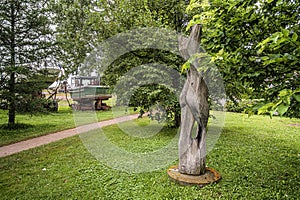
point(196, 33)
point(190, 46)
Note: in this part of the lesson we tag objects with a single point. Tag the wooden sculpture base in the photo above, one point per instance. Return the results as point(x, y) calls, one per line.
point(210, 176)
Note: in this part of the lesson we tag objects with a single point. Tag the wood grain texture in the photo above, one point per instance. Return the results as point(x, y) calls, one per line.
point(194, 111)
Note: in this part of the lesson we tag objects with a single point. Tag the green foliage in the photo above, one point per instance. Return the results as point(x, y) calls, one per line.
point(82, 25)
point(26, 45)
point(287, 99)
point(27, 104)
point(29, 98)
point(255, 44)
point(241, 106)
point(154, 89)
point(202, 16)
point(257, 157)
point(81, 30)
point(161, 103)
point(74, 31)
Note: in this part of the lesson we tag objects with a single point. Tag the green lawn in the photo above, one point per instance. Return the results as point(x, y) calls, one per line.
point(42, 124)
point(258, 158)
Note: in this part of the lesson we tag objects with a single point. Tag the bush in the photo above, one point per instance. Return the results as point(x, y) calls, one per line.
point(36, 105)
point(294, 110)
point(241, 105)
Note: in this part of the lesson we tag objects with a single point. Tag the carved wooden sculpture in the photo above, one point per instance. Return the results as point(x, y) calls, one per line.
point(194, 109)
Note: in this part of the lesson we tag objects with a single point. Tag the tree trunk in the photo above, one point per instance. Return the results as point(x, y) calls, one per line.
point(194, 109)
point(12, 101)
point(12, 81)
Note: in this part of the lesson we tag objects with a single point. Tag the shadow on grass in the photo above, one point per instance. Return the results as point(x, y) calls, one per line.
point(22, 131)
point(17, 126)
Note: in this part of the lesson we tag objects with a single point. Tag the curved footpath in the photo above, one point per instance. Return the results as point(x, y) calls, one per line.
point(46, 139)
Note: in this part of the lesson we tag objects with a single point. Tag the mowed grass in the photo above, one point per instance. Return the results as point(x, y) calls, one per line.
point(258, 158)
point(30, 126)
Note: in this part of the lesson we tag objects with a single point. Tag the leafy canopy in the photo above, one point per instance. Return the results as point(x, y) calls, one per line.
point(255, 44)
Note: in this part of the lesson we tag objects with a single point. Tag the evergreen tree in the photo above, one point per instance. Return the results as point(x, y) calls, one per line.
point(26, 44)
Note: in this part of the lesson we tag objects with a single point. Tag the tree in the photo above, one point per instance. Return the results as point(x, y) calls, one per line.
point(166, 14)
point(82, 25)
point(255, 45)
point(26, 45)
point(74, 31)
point(87, 23)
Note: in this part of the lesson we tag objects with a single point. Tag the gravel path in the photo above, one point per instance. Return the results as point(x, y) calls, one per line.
point(46, 139)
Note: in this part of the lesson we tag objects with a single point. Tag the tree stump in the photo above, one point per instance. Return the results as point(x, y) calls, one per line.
point(194, 109)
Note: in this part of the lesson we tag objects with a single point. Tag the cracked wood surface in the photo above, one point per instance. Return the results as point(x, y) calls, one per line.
point(194, 110)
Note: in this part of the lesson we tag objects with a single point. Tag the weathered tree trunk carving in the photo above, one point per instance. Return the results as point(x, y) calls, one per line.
point(194, 109)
